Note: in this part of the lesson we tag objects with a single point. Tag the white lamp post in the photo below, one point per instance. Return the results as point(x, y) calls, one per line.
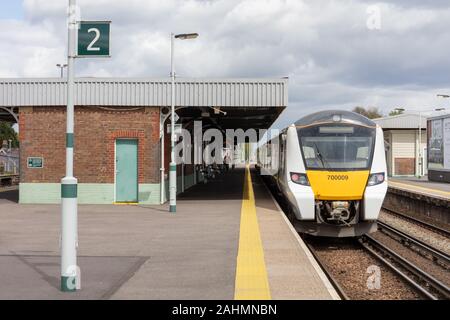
point(61, 67)
point(173, 165)
point(69, 183)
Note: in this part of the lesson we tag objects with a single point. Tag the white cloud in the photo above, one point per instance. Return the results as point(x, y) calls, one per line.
point(332, 59)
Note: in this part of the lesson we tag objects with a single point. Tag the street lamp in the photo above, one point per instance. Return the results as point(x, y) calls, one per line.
point(69, 184)
point(62, 66)
point(173, 165)
point(185, 36)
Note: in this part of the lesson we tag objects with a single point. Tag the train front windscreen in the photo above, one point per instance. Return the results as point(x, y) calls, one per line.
point(337, 147)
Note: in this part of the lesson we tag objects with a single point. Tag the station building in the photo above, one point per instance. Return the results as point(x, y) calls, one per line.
point(121, 142)
point(405, 150)
point(439, 148)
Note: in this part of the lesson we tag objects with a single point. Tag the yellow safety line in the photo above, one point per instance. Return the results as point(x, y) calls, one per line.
point(413, 186)
point(251, 275)
point(125, 203)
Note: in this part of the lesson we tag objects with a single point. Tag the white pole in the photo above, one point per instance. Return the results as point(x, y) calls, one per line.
point(173, 166)
point(163, 187)
point(69, 268)
point(182, 177)
point(195, 173)
point(420, 144)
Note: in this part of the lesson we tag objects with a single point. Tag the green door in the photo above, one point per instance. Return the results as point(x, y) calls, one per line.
point(126, 170)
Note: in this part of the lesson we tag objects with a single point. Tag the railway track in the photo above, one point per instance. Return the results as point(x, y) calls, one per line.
point(415, 279)
point(421, 281)
point(329, 275)
point(417, 245)
point(345, 266)
point(419, 222)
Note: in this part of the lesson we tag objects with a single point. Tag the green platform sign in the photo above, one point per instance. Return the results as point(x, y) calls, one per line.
point(94, 39)
point(35, 162)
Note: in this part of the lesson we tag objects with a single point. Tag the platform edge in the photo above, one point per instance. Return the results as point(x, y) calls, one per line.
point(331, 290)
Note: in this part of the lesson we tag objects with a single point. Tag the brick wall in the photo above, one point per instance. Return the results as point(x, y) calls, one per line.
point(42, 134)
point(405, 166)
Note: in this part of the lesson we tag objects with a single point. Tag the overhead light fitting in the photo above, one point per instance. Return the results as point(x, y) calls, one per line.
point(217, 110)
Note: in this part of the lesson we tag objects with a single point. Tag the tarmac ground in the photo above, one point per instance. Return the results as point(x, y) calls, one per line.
point(227, 240)
point(125, 252)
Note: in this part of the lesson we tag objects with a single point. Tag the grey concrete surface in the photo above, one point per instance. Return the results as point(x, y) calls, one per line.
point(423, 182)
point(145, 252)
point(291, 274)
point(36, 276)
point(127, 252)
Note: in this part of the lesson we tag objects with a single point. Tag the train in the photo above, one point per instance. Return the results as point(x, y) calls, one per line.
point(330, 170)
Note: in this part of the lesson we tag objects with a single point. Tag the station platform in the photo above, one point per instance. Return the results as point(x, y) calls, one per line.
point(227, 240)
point(421, 186)
point(244, 249)
point(419, 198)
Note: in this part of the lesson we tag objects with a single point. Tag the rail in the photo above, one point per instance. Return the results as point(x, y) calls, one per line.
point(406, 238)
point(423, 282)
point(419, 222)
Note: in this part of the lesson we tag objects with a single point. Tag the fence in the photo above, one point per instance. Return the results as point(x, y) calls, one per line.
point(9, 164)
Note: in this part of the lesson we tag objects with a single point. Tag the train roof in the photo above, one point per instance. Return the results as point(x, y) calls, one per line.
point(335, 116)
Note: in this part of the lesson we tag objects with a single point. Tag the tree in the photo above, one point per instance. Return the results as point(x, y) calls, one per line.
point(396, 112)
point(370, 113)
point(8, 133)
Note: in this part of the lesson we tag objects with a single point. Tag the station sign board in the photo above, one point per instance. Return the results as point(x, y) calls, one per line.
point(446, 142)
point(94, 39)
point(35, 162)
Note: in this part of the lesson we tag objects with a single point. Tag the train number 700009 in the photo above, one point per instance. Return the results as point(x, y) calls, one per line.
point(337, 177)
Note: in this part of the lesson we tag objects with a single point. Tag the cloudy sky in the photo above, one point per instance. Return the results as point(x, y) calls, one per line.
point(336, 53)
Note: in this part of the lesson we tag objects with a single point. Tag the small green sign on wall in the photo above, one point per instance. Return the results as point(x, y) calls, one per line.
point(35, 162)
point(94, 39)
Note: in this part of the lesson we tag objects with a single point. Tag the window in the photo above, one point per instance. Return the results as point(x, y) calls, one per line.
point(337, 147)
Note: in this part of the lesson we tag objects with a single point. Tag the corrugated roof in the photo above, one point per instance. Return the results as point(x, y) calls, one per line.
point(190, 92)
point(402, 121)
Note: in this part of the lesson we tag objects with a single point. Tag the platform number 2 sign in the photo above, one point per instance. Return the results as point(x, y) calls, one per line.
point(94, 39)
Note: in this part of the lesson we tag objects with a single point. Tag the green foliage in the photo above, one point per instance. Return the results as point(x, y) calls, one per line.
point(395, 112)
point(370, 113)
point(7, 133)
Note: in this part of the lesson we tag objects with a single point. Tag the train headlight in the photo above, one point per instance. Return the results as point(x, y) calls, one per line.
point(300, 178)
point(375, 178)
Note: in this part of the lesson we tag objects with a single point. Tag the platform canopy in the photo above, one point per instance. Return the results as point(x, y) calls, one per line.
point(9, 114)
point(248, 103)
